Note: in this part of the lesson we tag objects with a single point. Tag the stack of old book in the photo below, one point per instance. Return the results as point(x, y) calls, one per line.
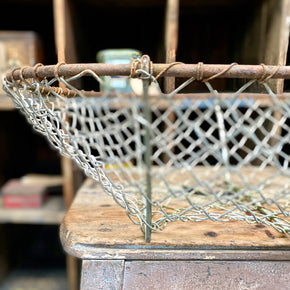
point(29, 191)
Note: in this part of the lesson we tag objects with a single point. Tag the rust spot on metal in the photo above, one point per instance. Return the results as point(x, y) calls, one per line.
point(211, 234)
point(269, 234)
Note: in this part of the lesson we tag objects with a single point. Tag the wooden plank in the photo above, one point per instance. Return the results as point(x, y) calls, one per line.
point(277, 37)
point(64, 34)
point(52, 212)
point(64, 41)
point(276, 51)
point(171, 38)
point(102, 274)
point(253, 42)
point(266, 38)
point(171, 42)
point(96, 226)
point(206, 275)
point(66, 52)
point(46, 180)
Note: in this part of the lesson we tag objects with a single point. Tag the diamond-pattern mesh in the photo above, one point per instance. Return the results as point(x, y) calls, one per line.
point(223, 157)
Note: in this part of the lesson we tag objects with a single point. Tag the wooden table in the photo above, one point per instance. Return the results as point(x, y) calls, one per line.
point(203, 255)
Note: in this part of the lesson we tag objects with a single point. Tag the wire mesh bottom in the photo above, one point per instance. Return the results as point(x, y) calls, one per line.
point(201, 193)
point(218, 156)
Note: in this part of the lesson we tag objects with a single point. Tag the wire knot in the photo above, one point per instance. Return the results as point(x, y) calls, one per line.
point(56, 69)
point(35, 68)
point(134, 66)
point(265, 75)
point(142, 68)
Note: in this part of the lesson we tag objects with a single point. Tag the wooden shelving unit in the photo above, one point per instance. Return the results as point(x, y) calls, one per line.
point(50, 20)
point(211, 31)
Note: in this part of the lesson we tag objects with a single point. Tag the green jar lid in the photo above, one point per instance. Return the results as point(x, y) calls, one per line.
point(118, 53)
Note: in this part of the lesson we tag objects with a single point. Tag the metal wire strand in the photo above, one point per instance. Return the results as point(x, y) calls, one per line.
point(228, 156)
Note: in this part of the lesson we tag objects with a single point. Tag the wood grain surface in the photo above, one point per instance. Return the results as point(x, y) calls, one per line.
point(95, 227)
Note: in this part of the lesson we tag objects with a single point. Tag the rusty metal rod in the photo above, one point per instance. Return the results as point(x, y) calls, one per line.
point(147, 114)
point(178, 70)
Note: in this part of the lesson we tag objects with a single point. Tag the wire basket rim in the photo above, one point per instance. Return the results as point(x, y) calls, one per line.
point(260, 72)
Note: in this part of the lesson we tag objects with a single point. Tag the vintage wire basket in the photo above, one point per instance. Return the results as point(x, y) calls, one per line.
point(192, 156)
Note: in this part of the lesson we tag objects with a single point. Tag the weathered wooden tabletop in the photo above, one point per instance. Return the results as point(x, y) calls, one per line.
point(202, 255)
point(95, 226)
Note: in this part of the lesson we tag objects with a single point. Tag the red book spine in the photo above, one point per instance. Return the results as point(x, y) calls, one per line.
point(18, 201)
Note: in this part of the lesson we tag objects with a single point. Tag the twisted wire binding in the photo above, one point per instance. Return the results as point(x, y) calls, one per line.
point(228, 157)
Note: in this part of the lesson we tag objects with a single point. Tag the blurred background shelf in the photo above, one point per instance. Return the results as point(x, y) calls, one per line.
point(49, 279)
point(33, 31)
point(51, 213)
point(36, 260)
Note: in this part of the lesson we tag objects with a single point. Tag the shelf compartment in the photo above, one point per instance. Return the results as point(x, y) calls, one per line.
point(52, 212)
point(48, 279)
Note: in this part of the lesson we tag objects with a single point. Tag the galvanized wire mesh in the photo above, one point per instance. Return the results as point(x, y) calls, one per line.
point(213, 155)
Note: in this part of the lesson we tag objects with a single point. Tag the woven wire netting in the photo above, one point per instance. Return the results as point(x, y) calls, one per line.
point(221, 157)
